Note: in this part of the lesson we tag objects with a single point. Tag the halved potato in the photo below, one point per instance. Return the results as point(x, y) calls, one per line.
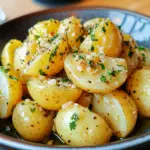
point(43, 28)
point(95, 73)
point(138, 86)
point(31, 121)
point(51, 60)
point(78, 126)
point(105, 39)
point(10, 91)
point(73, 29)
point(129, 53)
point(7, 56)
point(118, 110)
point(52, 93)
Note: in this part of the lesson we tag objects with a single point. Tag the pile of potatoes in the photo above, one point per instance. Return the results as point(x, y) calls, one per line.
point(72, 76)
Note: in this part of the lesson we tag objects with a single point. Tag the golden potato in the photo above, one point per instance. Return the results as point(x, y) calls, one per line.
point(10, 91)
point(78, 126)
point(7, 56)
point(138, 86)
point(118, 110)
point(51, 60)
point(44, 28)
point(52, 93)
point(95, 73)
point(105, 39)
point(129, 53)
point(31, 121)
point(73, 29)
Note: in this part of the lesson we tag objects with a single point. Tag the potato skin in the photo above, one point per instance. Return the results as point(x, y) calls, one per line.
point(31, 121)
point(118, 110)
point(137, 86)
point(53, 93)
point(7, 57)
point(10, 91)
point(90, 129)
point(129, 53)
point(105, 39)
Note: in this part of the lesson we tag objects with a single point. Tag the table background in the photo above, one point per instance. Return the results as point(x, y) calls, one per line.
point(15, 8)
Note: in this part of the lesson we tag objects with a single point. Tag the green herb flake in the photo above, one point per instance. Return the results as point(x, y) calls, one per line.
point(64, 80)
point(33, 109)
point(74, 120)
point(102, 66)
point(53, 53)
point(36, 37)
point(130, 53)
point(103, 78)
point(13, 78)
point(144, 57)
point(91, 63)
point(111, 72)
point(93, 38)
point(3, 69)
point(53, 38)
point(81, 57)
point(103, 29)
point(141, 48)
point(92, 48)
point(42, 73)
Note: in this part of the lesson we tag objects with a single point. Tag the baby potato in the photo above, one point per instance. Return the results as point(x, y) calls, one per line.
point(129, 53)
point(31, 121)
point(85, 99)
point(105, 39)
point(92, 24)
point(7, 56)
point(10, 91)
point(138, 86)
point(52, 93)
point(118, 110)
point(51, 60)
point(44, 28)
point(73, 29)
point(78, 126)
point(95, 73)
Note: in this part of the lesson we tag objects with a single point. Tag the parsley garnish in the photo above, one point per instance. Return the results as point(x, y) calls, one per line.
point(144, 57)
point(73, 123)
point(111, 72)
point(42, 73)
point(33, 109)
point(93, 37)
point(103, 78)
point(53, 38)
point(141, 48)
point(91, 63)
point(65, 80)
point(53, 53)
point(81, 57)
point(130, 53)
point(92, 48)
point(36, 37)
point(102, 66)
point(103, 29)
point(3, 69)
point(13, 78)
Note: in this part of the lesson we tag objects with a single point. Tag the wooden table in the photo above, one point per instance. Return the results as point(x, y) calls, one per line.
point(14, 8)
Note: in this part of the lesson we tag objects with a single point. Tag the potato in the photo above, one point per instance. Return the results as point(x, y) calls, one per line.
point(73, 29)
point(129, 53)
point(118, 110)
point(52, 93)
point(10, 91)
point(105, 39)
point(7, 56)
point(31, 121)
point(95, 73)
point(85, 99)
point(44, 28)
point(78, 126)
point(51, 60)
point(138, 85)
point(92, 24)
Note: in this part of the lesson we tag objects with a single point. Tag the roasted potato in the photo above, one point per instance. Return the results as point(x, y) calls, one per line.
point(105, 39)
point(7, 56)
point(10, 91)
point(51, 60)
point(31, 121)
point(73, 29)
point(78, 126)
point(95, 73)
point(118, 110)
point(129, 53)
point(138, 85)
point(52, 93)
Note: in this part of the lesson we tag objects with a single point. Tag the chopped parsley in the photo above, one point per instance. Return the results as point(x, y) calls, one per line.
point(33, 109)
point(141, 48)
point(65, 80)
point(53, 38)
point(103, 29)
point(130, 53)
point(3, 69)
point(111, 72)
point(53, 53)
point(81, 57)
point(13, 77)
point(42, 73)
point(92, 48)
point(144, 57)
point(74, 120)
point(93, 38)
point(102, 66)
point(103, 78)
point(91, 63)
point(36, 37)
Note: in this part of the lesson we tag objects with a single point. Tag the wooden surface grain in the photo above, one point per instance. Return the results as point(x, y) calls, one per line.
point(15, 8)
